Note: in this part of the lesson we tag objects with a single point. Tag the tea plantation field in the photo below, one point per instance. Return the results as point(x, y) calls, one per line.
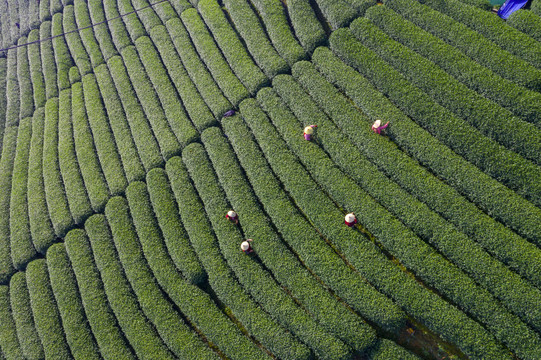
point(129, 128)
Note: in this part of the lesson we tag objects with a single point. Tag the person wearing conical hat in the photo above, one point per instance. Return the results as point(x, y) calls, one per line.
point(308, 131)
point(377, 127)
point(246, 247)
point(232, 216)
point(350, 220)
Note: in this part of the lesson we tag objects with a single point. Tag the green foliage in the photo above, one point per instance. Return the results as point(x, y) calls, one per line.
point(3, 99)
point(55, 6)
point(61, 53)
point(166, 11)
point(147, 16)
point(307, 27)
point(47, 60)
point(257, 322)
point(498, 240)
point(101, 31)
point(78, 201)
point(179, 5)
point(132, 22)
point(75, 43)
point(8, 336)
point(198, 111)
point(117, 29)
point(46, 315)
point(93, 178)
point(491, 195)
point(277, 258)
point(170, 102)
point(469, 42)
point(386, 349)
point(52, 179)
point(36, 73)
point(522, 102)
point(493, 28)
point(140, 333)
point(362, 5)
point(536, 7)
point(338, 13)
point(12, 91)
point(274, 17)
point(23, 317)
point(526, 22)
point(196, 69)
point(109, 337)
point(214, 60)
point(147, 146)
point(74, 75)
point(169, 145)
point(33, 14)
point(26, 100)
point(481, 4)
point(82, 17)
point(41, 227)
point(22, 250)
point(176, 239)
point(236, 55)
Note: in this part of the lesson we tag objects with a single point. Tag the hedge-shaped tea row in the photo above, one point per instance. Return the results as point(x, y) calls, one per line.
point(64, 286)
point(307, 27)
point(169, 10)
point(211, 55)
point(500, 241)
point(148, 148)
point(12, 91)
point(116, 28)
point(362, 5)
point(522, 102)
point(526, 22)
point(108, 335)
point(148, 16)
point(338, 13)
point(13, 11)
point(94, 10)
point(193, 302)
point(45, 310)
point(515, 293)
point(469, 42)
point(493, 29)
point(26, 100)
point(434, 312)
point(249, 27)
point(9, 342)
point(300, 234)
point(162, 201)
point(273, 15)
point(170, 102)
point(536, 7)
point(5, 34)
point(23, 317)
point(3, 99)
point(133, 24)
point(199, 113)
point(82, 18)
point(252, 275)
point(47, 60)
point(386, 349)
point(75, 44)
point(20, 239)
point(62, 54)
point(197, 71)
point(95, 184)
point(257, 322)
point(138, 330)
point(36, 73)
point(232, 48)
point(431, 91)
point(283, 264)
point(169, 145)
point(168, 323)
point(495, 198)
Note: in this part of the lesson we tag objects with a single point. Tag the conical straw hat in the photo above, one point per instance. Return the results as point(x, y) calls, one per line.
point(350, 217)
point(245, 245)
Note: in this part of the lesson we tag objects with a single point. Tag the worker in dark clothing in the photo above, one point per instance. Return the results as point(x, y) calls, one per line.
point(232, 216)
point(350, 220)
point(247, 247)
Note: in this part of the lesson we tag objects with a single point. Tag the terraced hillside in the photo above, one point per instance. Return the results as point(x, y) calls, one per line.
point(128, 129)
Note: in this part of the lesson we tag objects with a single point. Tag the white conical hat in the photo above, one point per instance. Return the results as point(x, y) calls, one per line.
point(350, 217)
point(231, 213)
point(245, 245)
point(377, 123)
point(309, 130)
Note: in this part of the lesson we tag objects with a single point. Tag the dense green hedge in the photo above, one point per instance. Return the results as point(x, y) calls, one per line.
point(306, 25)
point(140, 333)
point(8, 335)
point(82, 18)
point(527, 22)
point(116, 28)
point(276, 257)
point(166, 10)
point(62, 54)
point(338, 13)
point(26, 100)
point(496, 123)
point(251, 274)
point(368, 259)
point(55, 195)
point(147, 147)
point(514, 292)
point(362, 5)
point(197, 71)
point(101, 31)
point(178, 337)
point(13, 107)
point(33, 14)
point(522, 102)
point(64, 285)
point(132, 22)
point(257, 322)
point(273, 14)
point(75, 44)
point(502, 203)
point(536, 7)
point(148, 16)
point(46, 315)
point(169, 145)
point(493, 28)
point(469, 42)
point(74, 186)
point(96, 187)
point(3, 99)
point(101, 319)
point(247, 24)
point(386, 349)
point(104, 140)
point(176, 239)
point(169, 99)
point(36, 73)
point(213, 58)
point(119, 125)
point(22, 249)
point(23, 317)
point(499, 240)
point(47, 60)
